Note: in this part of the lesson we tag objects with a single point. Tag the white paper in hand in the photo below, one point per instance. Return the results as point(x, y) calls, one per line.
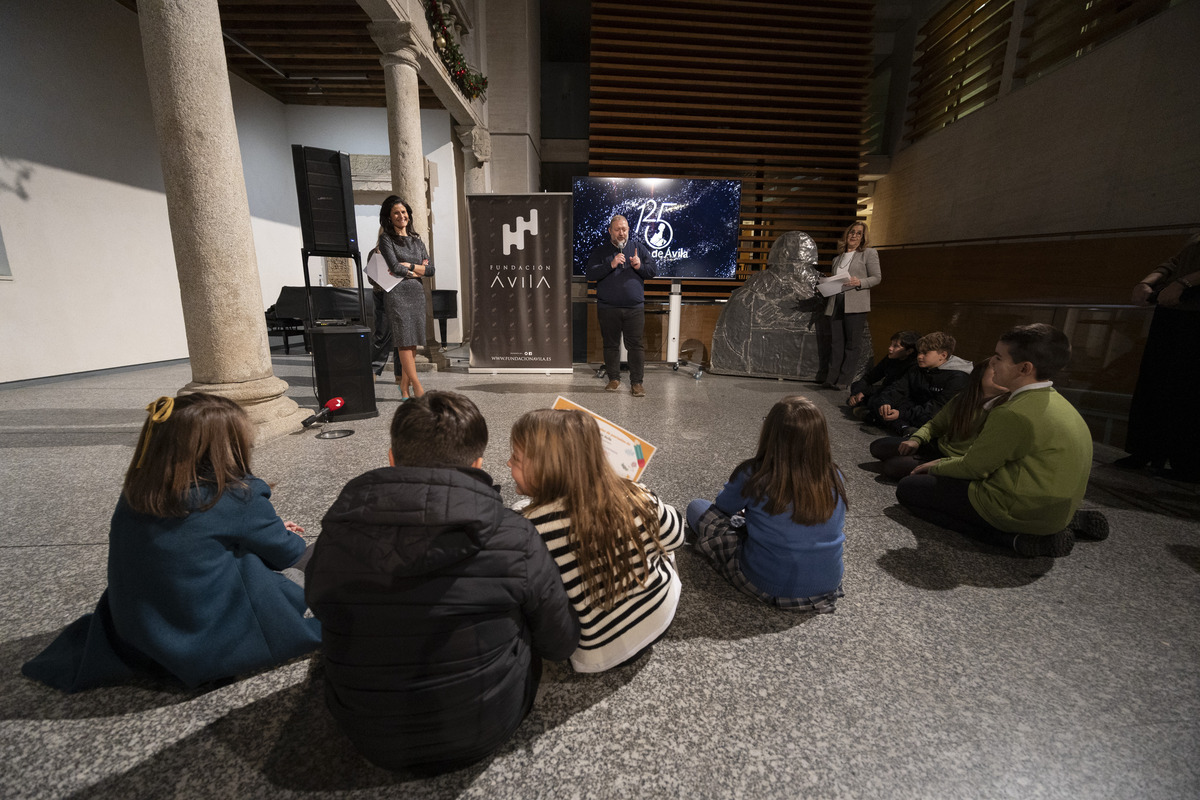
point(832, 285)
point(377, 270)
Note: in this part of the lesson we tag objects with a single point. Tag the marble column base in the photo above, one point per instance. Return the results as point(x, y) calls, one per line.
point(272, 413)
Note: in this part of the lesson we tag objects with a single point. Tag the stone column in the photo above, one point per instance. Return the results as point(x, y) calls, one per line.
point(477, 151)
point(404, 117)
point(209, 213)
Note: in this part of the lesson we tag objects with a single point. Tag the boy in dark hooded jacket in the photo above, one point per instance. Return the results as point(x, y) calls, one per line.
point(436, 602)
point(901, 356)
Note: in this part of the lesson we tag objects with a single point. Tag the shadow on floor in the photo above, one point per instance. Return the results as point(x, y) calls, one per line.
point(875, 467)
point(531, 388)
point(944, 560)
point(59, 437)
point(24, 698)
point(1186, 553)
point(75, 418)
point(1118, 488)
point(289, 740)
point(286, 740)
point(710, 608)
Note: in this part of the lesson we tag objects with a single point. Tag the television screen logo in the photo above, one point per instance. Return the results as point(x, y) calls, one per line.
point(654, 230)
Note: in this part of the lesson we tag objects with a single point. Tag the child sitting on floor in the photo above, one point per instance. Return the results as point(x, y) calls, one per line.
point(912, 400)
point(950, 432)
point(193, 550)
point(789, 552)
point(437, 603)
point(1021, 481)
point(901, 355)
point(611, 538)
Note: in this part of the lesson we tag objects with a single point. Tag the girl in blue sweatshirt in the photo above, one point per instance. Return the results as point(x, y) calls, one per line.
point(775, 530)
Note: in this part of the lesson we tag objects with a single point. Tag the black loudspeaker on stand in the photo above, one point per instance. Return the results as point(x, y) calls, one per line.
point(342, 351)
point(342, 360)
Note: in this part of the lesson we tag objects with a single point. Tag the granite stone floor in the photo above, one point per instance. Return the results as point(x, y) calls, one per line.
point(950, 670)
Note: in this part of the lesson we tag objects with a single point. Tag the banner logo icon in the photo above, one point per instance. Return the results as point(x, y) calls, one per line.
point(515, 234)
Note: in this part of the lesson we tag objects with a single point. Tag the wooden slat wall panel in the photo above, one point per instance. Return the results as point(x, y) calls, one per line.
point(771, 93)
point(962, 51)
point(1059, 31)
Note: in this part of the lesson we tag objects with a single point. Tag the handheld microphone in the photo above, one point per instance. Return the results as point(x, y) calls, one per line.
point(333, 404)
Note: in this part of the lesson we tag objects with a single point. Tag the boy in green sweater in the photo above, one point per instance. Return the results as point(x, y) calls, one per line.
point(1021, 482)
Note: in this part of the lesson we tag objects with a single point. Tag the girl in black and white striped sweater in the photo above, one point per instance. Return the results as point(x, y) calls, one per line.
point(611, 538)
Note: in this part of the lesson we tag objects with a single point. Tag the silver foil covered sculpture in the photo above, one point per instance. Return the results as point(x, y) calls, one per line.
point(768, 327)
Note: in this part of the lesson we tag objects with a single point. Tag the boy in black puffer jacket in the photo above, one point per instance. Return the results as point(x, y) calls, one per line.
point(914, 399)
point(437, 603)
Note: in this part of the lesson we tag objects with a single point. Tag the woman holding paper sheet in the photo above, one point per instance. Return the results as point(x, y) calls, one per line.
point(857, 266)
point(407, 259)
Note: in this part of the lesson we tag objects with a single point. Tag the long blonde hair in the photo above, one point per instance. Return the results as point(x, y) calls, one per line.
point(563, 459)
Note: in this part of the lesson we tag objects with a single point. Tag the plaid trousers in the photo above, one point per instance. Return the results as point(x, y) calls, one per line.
point(718, 540)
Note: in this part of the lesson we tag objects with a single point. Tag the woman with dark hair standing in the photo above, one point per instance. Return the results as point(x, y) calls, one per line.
point(407, 259)
point(846, 312)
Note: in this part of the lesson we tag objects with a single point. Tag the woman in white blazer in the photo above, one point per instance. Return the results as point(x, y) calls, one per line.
point(846, 313)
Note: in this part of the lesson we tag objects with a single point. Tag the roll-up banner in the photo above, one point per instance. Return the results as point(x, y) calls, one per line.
point(520, 282)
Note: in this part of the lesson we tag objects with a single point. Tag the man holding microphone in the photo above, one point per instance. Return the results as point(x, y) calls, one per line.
point(619, 268)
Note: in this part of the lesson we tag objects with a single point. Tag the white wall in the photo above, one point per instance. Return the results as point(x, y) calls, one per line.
point(1106, 142)
point(82, 210)
point(81, 199)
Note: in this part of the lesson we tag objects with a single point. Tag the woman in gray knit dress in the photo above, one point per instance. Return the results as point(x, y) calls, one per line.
point(408, 259)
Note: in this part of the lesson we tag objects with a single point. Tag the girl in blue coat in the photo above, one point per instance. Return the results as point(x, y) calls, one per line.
point(194, 545)
point(775, 530)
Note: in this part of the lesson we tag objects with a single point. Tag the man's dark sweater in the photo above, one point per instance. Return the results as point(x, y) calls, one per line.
point(622, 287)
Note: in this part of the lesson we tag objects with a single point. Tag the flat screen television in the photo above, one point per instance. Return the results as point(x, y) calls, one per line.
point(690, 226)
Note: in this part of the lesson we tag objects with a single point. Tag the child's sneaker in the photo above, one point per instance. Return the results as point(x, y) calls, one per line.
point(1055, 545)
point(1089, 524)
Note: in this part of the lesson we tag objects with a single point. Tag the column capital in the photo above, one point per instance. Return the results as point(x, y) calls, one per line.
point(476, 140)
point(397, 41)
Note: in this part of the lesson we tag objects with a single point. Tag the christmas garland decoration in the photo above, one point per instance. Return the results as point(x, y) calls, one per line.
point(471, 84)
